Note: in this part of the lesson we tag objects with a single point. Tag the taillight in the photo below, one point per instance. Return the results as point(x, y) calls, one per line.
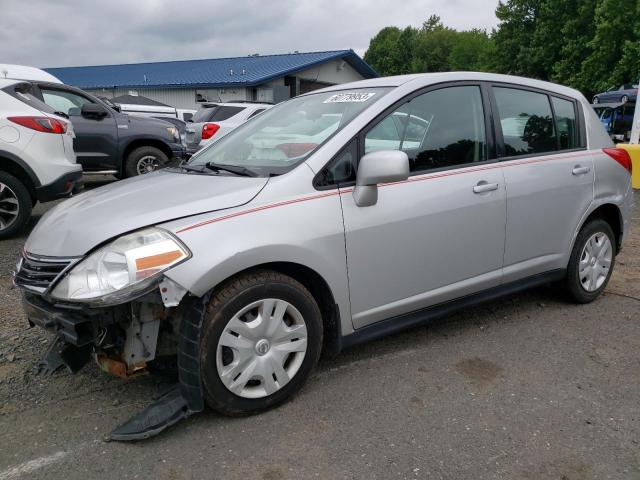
point(621, 156)
point(293, 150)
point(209, 130)
point(41, 124)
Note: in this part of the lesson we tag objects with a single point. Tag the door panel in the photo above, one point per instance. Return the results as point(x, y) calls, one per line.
point(426, 241)
point(549, 190)
point(545, 202)
point(96, 142)
point(440, 234)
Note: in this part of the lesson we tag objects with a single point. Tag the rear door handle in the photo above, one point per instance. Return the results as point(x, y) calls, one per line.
point(580, 170)
point(483, 186)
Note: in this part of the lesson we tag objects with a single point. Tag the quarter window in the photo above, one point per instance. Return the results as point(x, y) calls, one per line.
point(565, 115)
point(526, 121)
point(438, 129)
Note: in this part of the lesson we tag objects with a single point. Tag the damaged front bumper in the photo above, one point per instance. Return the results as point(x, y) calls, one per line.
point(123, 339)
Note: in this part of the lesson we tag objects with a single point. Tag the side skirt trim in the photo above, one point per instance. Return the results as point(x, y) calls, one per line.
point(420, 317)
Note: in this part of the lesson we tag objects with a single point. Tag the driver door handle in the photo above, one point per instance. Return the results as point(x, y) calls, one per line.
point(580, 170)
point(483, 187)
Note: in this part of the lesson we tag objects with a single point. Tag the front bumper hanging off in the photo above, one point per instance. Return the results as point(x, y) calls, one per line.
point(77, 331)
point(182, 400)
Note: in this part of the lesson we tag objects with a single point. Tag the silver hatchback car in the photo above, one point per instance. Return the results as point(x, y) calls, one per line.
point(333, 218)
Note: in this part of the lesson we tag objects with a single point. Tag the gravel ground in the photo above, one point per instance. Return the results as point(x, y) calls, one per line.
point(528, 387)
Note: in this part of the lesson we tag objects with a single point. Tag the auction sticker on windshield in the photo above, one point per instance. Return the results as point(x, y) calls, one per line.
point(349, 97)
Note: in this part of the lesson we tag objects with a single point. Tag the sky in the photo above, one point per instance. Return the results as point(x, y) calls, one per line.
point(57, 33)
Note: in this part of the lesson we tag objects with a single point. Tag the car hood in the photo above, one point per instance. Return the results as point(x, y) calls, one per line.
point(80, 223)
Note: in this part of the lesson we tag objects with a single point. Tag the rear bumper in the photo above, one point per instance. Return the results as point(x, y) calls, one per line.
point(64, 186)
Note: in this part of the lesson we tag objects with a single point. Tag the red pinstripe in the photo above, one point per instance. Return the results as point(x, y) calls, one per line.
point(511, 163)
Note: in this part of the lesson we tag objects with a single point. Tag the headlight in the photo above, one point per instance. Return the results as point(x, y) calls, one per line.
point(173, 131)
point(123, 268)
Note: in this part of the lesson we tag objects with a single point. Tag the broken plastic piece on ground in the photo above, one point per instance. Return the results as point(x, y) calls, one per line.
point(61, 353)
point(163, 412)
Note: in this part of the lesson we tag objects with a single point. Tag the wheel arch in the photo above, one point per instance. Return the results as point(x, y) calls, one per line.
point(15, 166)
point(611, 214)
point(319, 289)
point(144, 142)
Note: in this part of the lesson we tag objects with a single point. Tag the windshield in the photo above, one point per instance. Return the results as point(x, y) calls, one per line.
point(280, 138)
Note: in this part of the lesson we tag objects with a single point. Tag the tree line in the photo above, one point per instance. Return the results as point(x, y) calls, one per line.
point(590, 45)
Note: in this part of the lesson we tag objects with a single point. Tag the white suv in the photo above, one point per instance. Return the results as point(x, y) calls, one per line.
point(37, 161)
point(214, 120)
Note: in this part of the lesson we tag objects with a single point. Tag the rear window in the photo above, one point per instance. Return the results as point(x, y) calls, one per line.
point(23, 93)
point(224, 112)
point(203, 113)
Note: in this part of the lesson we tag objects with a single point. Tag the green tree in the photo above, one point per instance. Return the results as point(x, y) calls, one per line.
point(390, 51)
point(614, 28)
point(470, 51)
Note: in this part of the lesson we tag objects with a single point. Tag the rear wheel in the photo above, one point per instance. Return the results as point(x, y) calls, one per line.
point(591, 262)
point(144, 160)
point(15, 205)
point(624, 99)
point(596, 100)
point(262, 337)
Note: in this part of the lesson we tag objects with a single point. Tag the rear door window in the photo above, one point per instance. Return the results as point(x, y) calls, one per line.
point(526, 121)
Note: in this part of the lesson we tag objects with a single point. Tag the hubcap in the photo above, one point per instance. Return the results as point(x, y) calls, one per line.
point(595, 262)
point(147, 164)
point(9, 207)
point(261, 348)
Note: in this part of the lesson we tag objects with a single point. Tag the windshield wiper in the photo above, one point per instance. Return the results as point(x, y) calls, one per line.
point(245, 172)
point(189, 168)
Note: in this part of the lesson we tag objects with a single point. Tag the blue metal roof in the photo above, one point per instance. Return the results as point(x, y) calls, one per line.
point(216, 72)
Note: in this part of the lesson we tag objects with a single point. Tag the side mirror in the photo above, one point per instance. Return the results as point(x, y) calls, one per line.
point(383, 166)
point(93, 110)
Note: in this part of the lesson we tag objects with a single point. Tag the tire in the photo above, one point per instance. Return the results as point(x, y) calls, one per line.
point(624, 99)
point(596, 100)
point(579, 272)
point(252, 393)
point(14, 197)
point(134, 163)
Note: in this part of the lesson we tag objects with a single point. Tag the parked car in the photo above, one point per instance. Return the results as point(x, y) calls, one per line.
point(624, 93)
point(214, 120)
point(617, 119)
point(37, 163)
point(107, 140)
point(255, 263)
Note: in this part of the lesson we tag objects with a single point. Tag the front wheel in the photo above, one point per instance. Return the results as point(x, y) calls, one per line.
point(596, 100)
point(144, 160)
point(591, 262)
point(262, 337)
point(624, 99)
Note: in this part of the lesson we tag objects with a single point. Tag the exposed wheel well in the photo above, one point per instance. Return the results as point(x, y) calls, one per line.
point(321, 292)
point(17, 171)
point(610, 214)
point(146, 142)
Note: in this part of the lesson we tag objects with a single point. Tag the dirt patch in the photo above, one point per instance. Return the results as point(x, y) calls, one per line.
point(480, 373)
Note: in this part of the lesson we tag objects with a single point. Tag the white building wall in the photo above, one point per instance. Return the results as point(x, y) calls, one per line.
point(334, 72)
point(179, 97)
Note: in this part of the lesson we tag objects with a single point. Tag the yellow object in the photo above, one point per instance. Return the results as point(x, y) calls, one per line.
point(634, 153)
